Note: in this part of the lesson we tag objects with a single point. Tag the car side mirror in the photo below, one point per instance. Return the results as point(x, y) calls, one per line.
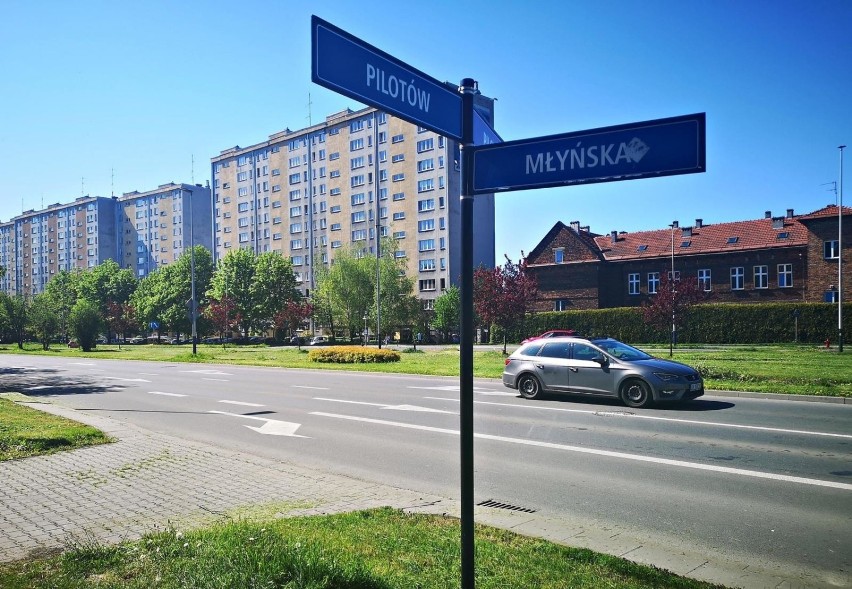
point(600, 359)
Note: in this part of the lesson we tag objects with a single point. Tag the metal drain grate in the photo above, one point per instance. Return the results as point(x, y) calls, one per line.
point(498, 505)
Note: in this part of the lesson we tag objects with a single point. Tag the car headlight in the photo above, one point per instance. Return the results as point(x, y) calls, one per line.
point(666, 377)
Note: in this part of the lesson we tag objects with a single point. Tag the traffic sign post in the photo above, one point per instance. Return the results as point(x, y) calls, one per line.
point(662, 147)
point(350, 66)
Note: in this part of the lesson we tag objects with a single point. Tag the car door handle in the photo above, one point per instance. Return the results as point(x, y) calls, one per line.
point(539, 366)
point(572, 369)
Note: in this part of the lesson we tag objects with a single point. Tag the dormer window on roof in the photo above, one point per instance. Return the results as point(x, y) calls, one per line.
point(641, 248)
point(783, 235)
point(733, 239)
point(685, 243)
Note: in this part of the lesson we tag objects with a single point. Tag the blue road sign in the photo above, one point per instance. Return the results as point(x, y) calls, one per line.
point(662, 147)
point(154, 325)
point(483, 133)
point(348, 65)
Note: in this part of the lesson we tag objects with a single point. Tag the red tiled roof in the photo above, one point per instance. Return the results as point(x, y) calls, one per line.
point(826, 211)
point(711, 238)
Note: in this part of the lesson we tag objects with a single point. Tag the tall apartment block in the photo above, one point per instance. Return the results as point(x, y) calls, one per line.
point(141, 231)
point(344, 183)
point(156, 226)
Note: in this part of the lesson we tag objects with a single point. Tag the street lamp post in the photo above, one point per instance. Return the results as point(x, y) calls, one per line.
point(840, 256)
point(364, 338)
point(672, 286)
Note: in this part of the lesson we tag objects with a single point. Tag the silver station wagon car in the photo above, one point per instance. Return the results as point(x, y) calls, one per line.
point(599, 366)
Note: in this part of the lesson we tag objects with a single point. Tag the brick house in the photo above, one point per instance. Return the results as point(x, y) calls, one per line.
point(774, 259)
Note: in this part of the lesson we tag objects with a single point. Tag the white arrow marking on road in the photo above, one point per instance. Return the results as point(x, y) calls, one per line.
point(241, 403)
point(127, 379)
point(607, 453)
point(386, 406)
point(165, 394)
point(272, 427)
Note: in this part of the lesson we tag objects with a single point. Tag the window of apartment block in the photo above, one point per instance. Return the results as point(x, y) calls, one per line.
point(427, 265)
point(704, 279)
point(425, 145)
point(761, 277)
point(785, 275)
point(426, 245)
point(831, 249)
point(426, 225)
point(737, 278)
point(427, 204)
point(427, 285)
point(425, 185)
point(633, 283)
point(653, 282)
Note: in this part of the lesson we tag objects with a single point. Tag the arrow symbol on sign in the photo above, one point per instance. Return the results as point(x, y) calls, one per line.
point(272, 427)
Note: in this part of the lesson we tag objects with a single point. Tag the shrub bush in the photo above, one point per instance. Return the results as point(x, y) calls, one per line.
point(353, 355)
point(711, 323)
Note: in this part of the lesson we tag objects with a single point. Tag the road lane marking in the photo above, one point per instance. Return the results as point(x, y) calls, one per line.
point(271, 427)
point(389, 407)
point(217, 379)
point(606, 453)
point(165, 394)
point(243, 403)
point(298, 386)
point(127, 379)
point(657, 418)
point(209, 371)
point(457, 388)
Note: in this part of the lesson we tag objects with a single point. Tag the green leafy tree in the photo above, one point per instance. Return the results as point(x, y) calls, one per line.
point(61, 291)
point(85, 322)
point(17, 311)
point(502, 295)
point(447, 312)
point(346, 291)
point(106, 283)
point(399, 304)
point(233, 279)
point(274, 286)
point(43, 320)
point(5, 323)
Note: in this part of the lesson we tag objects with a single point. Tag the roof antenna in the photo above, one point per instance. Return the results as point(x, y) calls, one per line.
point(833, 189)
point(310, 119)
point(112, 182)
point(192, 171)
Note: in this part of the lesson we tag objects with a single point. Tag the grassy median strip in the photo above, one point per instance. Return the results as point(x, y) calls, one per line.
point(28, 432)
point(376, 549)
point(782, 369)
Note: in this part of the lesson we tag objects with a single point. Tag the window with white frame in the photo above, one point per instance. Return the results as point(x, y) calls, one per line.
point(785, 275)
point(633, 283)
point(653, 282)
point(704, 279)
point(560, 305)
point(737, 278)
point(761, 277)
point(831, 249)
point(559, 255)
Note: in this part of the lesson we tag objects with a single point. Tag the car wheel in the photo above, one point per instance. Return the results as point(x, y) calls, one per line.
point(529, 387)
point(636, 393)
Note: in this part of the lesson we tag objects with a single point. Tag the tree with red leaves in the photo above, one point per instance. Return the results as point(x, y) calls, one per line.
point(292, 316)
point(669, 308)
point(223, 315)
point(502, 295)
point(120, 318)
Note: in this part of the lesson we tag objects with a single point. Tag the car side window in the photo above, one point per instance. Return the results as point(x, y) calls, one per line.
point(555, 350)
point(584, 352)
point(530, 350)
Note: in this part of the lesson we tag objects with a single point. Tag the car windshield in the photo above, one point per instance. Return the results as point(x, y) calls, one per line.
point(621, 350)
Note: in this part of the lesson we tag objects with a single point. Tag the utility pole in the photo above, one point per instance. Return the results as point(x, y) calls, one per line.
point(840, 256)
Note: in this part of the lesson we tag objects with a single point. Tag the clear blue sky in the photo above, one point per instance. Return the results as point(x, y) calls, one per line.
point(140, 88)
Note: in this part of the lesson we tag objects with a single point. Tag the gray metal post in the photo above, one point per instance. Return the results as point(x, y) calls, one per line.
point(468, 88)
point(376, 190)
point(193, 305)
point(840, 257)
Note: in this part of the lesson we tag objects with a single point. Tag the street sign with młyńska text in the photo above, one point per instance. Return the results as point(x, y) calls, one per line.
point(661, 147)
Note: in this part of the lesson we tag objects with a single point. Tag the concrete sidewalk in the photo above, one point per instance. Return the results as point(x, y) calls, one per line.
point(148, 481)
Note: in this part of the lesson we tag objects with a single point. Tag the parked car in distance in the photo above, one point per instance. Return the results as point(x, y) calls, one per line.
point(599, 367)
point(320, 340)
point(551, 333)
point(136, 340)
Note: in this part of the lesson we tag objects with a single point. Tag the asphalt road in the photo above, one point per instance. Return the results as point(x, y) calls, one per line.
point(765, 483)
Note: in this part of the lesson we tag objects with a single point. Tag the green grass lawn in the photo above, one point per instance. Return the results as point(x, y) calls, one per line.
point(376, 549)
point(29, 432)
point(790, 369)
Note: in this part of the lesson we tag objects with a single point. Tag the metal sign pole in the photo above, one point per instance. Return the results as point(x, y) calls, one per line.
point(467, 88)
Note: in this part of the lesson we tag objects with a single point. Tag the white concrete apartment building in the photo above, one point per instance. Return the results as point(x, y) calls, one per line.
point(310, 193)
point(130, 229)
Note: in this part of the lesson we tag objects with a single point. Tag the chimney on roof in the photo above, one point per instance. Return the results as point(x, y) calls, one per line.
point(777, 222)
point(575, 225)
point(686, 232)
point(789, 213)
point(613, 236)
point(584, 228)
point(675, 224)
point(699, 223)
point(767, 215)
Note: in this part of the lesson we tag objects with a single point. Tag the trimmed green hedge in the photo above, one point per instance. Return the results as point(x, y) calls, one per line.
point(711, 323)
point(352, 355)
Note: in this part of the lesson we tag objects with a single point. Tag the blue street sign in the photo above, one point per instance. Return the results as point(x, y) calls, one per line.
point(348, 65)
point(483, 134)
point(154, 325)
point(648, 149)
